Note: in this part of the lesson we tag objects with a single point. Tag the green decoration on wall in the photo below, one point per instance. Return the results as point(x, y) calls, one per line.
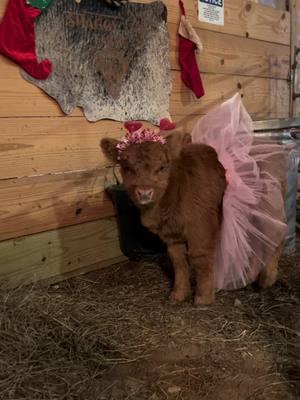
point(41, 4)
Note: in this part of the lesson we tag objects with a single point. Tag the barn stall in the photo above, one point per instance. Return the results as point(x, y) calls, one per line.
point(110, 334)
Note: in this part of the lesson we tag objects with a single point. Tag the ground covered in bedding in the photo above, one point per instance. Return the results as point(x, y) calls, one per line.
point(112, 334)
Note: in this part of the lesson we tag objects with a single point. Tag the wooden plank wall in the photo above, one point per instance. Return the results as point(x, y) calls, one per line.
point(295, 43)
point(55, 218)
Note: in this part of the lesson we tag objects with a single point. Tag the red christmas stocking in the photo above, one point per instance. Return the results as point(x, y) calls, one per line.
point(17, 38)
point(189, 42)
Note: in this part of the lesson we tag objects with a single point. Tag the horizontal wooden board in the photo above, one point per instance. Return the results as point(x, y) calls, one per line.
point(263, 98)
point(43, 145)
point(83, 270)
point(248, 19)
point(242, 18)
point(41, 203)
point(27, 100)
point(37, 146)
point(58, 252)
point(19, 98)
point(235, 55)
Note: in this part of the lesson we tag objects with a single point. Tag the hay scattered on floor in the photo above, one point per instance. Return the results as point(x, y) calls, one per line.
point(112, 334)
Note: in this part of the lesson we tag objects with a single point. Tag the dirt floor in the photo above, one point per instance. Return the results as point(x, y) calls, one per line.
point(113, 335)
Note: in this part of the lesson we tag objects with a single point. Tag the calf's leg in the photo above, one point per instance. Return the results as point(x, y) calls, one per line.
point(269, 274)
point(182, 287)
point(202, 245)
point(203, 264)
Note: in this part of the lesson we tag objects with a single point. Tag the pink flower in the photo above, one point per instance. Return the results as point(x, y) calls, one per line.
point(141, 135)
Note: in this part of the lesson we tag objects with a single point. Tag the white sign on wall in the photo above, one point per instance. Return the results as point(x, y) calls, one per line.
point(211, 11)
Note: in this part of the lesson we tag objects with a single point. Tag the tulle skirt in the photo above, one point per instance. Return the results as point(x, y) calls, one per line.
point(254, 222)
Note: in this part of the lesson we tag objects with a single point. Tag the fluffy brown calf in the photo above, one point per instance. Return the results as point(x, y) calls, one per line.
point(179, 189)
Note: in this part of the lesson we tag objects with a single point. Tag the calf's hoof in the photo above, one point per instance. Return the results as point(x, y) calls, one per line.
point(204, 300)
point(266, 280)
point(178, 296)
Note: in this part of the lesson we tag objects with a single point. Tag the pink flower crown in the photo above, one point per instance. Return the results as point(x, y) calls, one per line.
point(138, 134)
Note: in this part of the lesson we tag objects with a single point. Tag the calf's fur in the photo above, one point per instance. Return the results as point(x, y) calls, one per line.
point(186, 210)
point(189, 184)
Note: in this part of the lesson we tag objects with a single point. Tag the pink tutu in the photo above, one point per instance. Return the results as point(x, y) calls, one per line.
point(254, 223)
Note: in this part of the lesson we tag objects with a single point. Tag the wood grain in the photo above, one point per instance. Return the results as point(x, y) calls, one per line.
point(43, 145)
point(242, 18)
point(236, 55)
point(263, 98)
point(20, 98)
point(295, 43)
point(42, 203)
point(37, 146)
point(58, 252)
point(248, 19)
point(36, 140)
point(232, 55)
point(29, 101)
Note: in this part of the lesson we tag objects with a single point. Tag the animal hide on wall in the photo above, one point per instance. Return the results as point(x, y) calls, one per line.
point(114, 63)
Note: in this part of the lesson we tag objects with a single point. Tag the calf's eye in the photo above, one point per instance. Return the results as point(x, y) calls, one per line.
point(161, 169)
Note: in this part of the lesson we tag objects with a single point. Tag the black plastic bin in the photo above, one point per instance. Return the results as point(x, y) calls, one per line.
point(136, 242)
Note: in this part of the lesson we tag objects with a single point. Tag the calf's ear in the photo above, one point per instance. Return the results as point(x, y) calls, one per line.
point(176, 141)
point(109, 148)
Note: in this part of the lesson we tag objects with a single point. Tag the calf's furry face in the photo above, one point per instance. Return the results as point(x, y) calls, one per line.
point(145, 169)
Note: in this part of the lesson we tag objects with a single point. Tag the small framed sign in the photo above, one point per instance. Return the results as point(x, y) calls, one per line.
point(211, 11)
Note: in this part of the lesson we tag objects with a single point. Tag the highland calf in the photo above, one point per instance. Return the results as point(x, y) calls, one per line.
point(179, 188)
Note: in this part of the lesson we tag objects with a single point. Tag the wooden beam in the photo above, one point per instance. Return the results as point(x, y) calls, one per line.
point(55, 253)
point(42, 203)
point(295, 43)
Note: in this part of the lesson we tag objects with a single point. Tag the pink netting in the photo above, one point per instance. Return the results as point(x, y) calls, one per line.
point(253, 207)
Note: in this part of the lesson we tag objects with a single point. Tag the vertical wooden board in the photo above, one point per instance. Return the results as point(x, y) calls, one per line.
point(279, 97)
point(42, 203)
point(295, 43)
point(58, 252)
